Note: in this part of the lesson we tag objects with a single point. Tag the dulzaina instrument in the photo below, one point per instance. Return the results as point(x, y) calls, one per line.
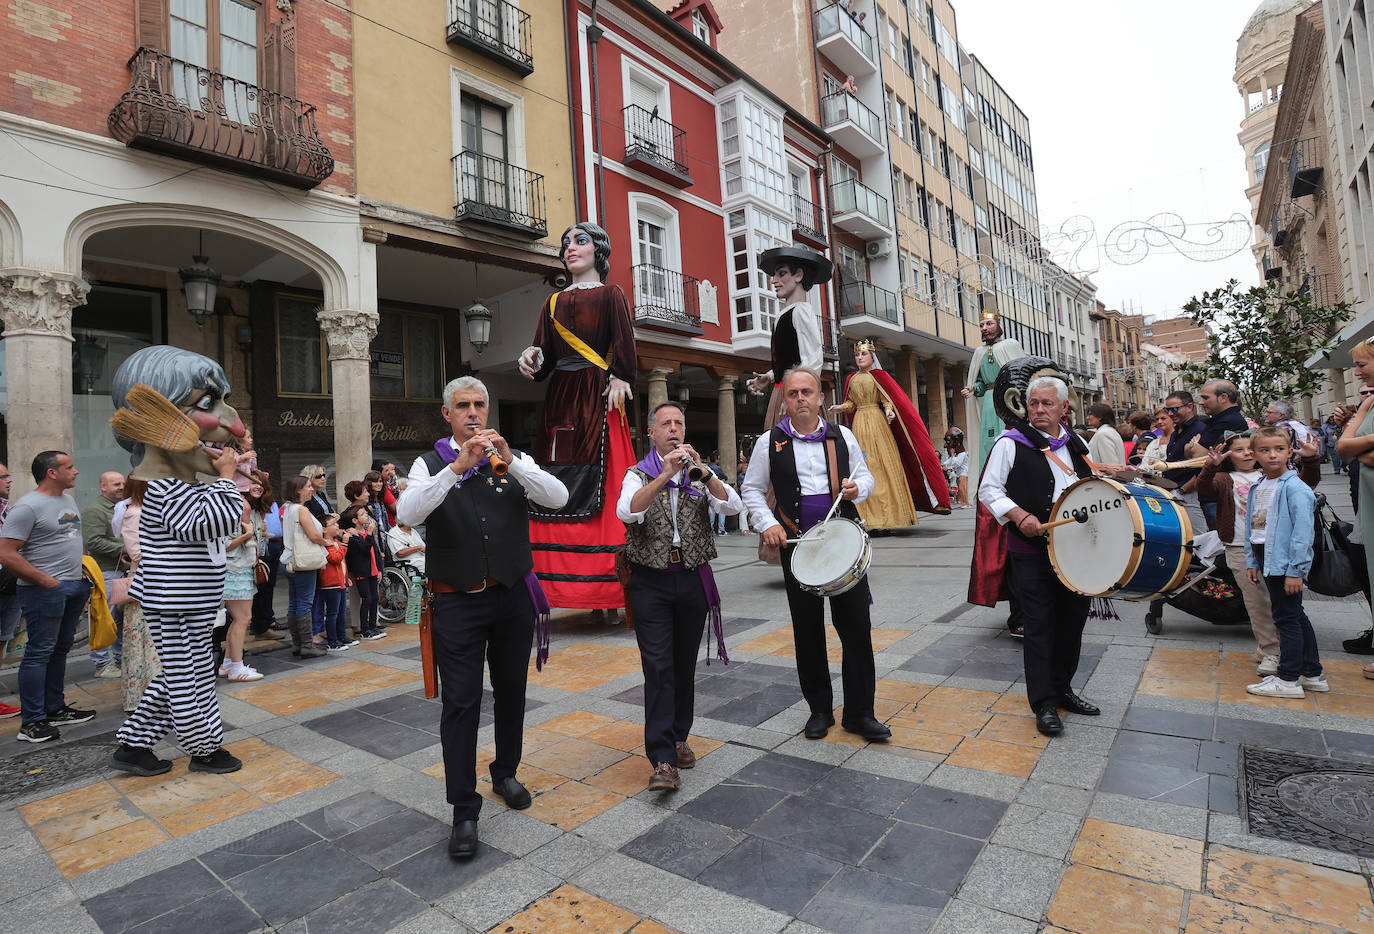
point(1127, 541)
point(832, 556)
point(695, 472)
point(498, 466)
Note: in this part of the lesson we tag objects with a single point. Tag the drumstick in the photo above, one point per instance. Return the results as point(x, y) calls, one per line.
point(1076, 517)
point(1158, 466)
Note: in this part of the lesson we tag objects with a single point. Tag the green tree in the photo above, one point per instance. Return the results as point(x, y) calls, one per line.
point(1261, 339)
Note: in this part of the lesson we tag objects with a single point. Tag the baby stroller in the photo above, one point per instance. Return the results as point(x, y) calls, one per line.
point(1209, 591)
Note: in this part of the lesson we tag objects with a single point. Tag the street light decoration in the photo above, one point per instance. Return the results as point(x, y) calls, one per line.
point(199, 283)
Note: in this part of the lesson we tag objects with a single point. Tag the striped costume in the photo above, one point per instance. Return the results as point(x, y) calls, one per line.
point(180, 583)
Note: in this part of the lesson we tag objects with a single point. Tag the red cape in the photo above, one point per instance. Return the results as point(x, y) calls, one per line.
point(920, 463)
point(575, 561)
point(987, 579)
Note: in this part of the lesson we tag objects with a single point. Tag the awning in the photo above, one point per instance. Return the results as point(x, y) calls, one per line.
point(1337, 354)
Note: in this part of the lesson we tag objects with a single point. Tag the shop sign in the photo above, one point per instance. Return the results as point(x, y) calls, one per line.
point(381, 432)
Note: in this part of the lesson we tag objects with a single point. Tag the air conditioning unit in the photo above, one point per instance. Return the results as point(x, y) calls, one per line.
point(877, 249)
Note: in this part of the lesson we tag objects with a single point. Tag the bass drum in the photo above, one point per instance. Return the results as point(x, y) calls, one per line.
point(831, 557)
point(1135, 545)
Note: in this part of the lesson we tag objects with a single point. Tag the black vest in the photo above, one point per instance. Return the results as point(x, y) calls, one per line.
point(782, 473)
point(785, 347)
point(481, 529)
point(1030, 484)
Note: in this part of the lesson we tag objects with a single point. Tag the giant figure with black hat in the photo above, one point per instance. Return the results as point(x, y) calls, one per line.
point(797, 330)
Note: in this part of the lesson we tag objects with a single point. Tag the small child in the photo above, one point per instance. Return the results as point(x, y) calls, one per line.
point(955, 463)
point(333, 587)
point(1279, 523)
point(364, 568)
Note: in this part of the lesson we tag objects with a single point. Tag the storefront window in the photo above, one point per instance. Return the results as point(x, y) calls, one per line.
point(300, 351)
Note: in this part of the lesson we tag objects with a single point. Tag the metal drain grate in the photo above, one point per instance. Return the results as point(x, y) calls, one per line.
point(1326, 803)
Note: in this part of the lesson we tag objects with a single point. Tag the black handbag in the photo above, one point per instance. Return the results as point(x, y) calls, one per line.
point(1334, 556)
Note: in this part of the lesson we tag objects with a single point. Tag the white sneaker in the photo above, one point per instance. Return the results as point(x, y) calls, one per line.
point(1317, 684)
point(1268, 665)
point(1274, 686)
point(225, 667)
point(109, 670)
point(242, 672)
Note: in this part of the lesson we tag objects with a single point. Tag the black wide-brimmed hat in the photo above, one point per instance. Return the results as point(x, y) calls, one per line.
point(817, 266)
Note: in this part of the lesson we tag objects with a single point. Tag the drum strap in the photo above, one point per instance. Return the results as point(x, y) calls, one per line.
point(833, 463)
point(1067, 469)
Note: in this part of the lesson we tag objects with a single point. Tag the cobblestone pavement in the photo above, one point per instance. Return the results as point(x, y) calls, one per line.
point(967, 821)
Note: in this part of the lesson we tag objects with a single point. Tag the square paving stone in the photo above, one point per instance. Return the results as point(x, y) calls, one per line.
point(274, 664)
point(260, 848)
point(749, 710)
point(1350, 745)
point(634, 695)
point(924, 856)
point(1275, 736)
point(932, 664)
point(1168, 722)
point(343, 817)
point(833, 832)
point(296, 885)
point(414, 712)
point(726, 686)
point(1221, 758)
point(400, 836)
point(733, 804)
point(773, 875)
point(412, 651)
point(1176, 751)
point(221, 912)
point(785, 773)
point(955, 811)
point(432, 873)
point(372, 734)
point(1156, 782)
point(856, 900)
point(1223, 796)
point(990, 671)
point(378, 906)
point(143, 899)
point(862, 791)
point(683, 845)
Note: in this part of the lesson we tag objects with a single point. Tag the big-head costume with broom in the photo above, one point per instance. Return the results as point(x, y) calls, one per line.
point(169, 409)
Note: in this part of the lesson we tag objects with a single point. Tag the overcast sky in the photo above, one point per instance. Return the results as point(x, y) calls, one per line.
point(1133, 112)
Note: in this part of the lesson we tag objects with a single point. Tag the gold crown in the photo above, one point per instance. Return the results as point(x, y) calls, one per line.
point(866, 345)
point(989, 314)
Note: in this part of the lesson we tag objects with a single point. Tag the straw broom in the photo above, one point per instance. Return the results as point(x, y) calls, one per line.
point(150, 418)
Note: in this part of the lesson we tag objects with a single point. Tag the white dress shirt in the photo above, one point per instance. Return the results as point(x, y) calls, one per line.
point(424, 493)
point(633, 483)
point(399, 540)
point(992, 490)
point(811, 471)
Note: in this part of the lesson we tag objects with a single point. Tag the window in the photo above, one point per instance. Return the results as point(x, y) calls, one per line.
point(700, 28)
point(301, 366)
point(407, 356)
point(215, 36)
point(851, 261)
point(914, 128)
point(650, 94)
point(485, 168)
point(1261, 160)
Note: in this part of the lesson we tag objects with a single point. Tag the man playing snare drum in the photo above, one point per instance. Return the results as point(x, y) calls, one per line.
point(1020, 485)
point(809, 462)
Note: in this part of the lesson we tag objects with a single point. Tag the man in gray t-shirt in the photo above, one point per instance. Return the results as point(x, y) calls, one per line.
point(41, 544)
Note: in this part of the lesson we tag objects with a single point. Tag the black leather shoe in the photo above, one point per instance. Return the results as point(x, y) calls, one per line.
point(1047, 721)
point(462, 843)
point(818, 725)
point(869, 728)
point(1075, 704)
point(513, 793)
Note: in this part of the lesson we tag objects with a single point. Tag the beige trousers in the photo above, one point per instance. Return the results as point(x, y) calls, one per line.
point(1256, 597)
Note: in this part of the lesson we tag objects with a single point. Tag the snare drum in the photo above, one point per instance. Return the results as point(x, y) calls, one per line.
point(1136, 544)
point(831, 557)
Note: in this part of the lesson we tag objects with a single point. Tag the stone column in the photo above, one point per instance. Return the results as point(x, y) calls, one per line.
point(349, 334)
point(658, 388)
point(726, 442)
point(36, 308)
point(935, 399)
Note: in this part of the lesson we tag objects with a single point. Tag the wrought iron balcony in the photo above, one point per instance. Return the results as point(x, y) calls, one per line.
point(808, 223)
point(859, 299)
point(499, 194)
point(840, 38)
point(853, 125)
point(655, 146)
point(193, 113)
point(499, 30)
point(666, 300)
point(1304, 168)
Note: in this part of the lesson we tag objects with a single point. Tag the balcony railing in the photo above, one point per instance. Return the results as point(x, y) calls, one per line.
point(499, 30)
point(666, 299)
point(808, 221)
point(850, 196)
point(655, 145)
point(193, 113)
point(861, 298)
point(842, 106)
point(835, 20)
point(497, 193)
point(1304, 168)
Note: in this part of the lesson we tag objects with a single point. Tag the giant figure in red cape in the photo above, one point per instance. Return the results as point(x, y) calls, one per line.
point(897, 446)
point(584, 346)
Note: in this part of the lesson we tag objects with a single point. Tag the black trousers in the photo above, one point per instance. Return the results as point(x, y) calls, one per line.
point(498, 625)
point(670, 615)
point(849, 614)
point(1053, 617)
point(263, 614)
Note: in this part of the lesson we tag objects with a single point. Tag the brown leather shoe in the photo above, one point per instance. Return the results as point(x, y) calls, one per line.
point(685, 757)
point(665, 778)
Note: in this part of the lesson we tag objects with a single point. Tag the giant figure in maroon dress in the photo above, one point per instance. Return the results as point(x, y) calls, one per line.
point(584, 347)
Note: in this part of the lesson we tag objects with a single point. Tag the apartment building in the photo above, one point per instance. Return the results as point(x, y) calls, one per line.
point(1074, 336)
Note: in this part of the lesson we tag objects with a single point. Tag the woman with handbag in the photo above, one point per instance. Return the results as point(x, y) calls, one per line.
point(241, 584)
point(140, 663)
point(1356, 446)
point(304, 555)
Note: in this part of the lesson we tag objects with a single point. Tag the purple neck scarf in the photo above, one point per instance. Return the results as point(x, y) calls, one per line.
point(1054, 443)
point(817, 435)
point(542, 611)
point(652, 464)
